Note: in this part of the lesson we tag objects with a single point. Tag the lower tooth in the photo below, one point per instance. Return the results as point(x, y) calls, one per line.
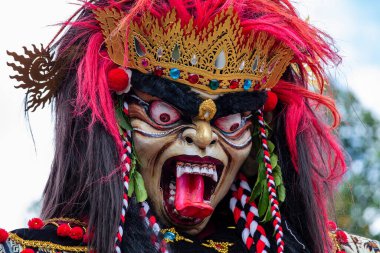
point(171, 200)
point(172, 192)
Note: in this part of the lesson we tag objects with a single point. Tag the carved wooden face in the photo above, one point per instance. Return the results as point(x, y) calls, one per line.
point(188, 164)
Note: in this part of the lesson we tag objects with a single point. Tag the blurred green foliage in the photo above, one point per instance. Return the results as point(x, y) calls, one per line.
point(358, 201)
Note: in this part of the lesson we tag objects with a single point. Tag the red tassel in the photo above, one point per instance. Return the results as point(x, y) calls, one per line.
point(271, 102)
point(63, 230)
point(76, 233)
point(35, 223)
point(118, 79)
point(3, 235)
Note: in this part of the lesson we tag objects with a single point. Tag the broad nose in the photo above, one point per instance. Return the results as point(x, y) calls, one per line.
point(202, 135)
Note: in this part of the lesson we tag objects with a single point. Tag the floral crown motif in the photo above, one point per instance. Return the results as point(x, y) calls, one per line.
point(216, 59)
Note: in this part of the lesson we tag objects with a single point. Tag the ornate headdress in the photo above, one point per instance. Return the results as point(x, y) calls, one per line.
point(218, 58)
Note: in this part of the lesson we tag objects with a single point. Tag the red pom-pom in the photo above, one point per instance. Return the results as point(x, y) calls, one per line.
point(341, 236)
point(3, 235)
point(271, 102)
point(332, 225)
point(76, 233)
point(35, 223)
point(63, 230)
point(88, 236)
point(118, 79)
point(27, 251)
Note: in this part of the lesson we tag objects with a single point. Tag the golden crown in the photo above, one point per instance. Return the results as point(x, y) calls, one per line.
point(218, 58)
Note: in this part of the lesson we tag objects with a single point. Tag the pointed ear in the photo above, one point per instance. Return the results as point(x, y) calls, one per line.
point(114, 33)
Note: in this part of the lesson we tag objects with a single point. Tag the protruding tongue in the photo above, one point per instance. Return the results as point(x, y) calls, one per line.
point(189, 197)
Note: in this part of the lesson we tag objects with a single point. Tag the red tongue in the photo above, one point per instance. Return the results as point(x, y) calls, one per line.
point(189, 197)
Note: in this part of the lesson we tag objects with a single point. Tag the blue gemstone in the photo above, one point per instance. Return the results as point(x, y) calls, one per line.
point(175, 73)
point(169, 236)
point(247, 84)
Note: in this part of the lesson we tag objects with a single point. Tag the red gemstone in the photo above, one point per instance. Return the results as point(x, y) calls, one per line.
point(257, 87)
point(145, 62)
point(234, 84)
point(158, 72)
point(193, 78)
point(265, 79)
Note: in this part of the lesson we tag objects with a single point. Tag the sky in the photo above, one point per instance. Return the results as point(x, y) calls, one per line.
point(25, 165)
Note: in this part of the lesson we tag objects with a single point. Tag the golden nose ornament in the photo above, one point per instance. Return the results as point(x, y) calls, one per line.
point(207, 110)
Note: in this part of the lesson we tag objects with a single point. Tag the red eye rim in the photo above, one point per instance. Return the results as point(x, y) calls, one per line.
point(230, 124)
point(163, 114)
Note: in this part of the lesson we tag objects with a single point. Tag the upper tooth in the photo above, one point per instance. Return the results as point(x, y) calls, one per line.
point(180, 171)
point(196, 169)
point(188, 169)
point(215, 176)
point(172, 192)
point(204, 170)
point(172, 186)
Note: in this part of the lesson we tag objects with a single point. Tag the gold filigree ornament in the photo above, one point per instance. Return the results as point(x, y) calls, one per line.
point(218, 58)
point(221, 247)
point(171, 235)
point(38, 73)
point(207, 110)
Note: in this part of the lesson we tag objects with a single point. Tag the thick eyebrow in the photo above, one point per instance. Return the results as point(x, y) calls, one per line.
point(188, 101)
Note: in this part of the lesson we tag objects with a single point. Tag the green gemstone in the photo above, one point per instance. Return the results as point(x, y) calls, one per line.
point(214, 84)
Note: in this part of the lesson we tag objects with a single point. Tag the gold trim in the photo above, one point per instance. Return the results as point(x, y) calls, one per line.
point(221, 247)
point(45, 245)
point(67, 220)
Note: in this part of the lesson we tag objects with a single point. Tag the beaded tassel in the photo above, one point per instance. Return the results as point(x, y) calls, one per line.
point(271, 186)
point(126, 162)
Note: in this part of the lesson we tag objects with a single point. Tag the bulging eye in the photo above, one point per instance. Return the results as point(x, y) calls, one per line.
point(230, 123)
point(163, 114)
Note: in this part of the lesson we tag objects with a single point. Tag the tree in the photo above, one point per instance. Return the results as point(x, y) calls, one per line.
point(358, 202)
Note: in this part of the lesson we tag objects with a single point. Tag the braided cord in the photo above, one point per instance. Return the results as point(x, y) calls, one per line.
point(246, 217)
point(148, 216)
point(126, 167)
point(151, 221)
point(275, 210)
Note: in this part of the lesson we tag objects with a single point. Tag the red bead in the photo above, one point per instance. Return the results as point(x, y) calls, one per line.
point(3, 235)
point(27, 251)
point(118, 79)
point(193, 78)
point(158, 72)
point(63, 230)
point(271, 102)
point(76, 233)
point(234, 84)
point(35, 223)
point(332, 225)
point(341, 236)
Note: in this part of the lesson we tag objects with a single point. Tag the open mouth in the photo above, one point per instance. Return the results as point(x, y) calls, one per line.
point(188, 182)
